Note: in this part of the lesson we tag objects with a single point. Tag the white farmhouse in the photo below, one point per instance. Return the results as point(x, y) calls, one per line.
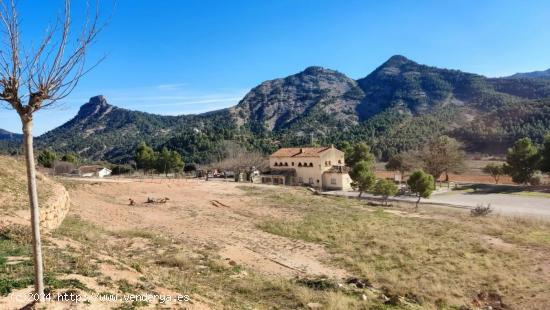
point(93, 171)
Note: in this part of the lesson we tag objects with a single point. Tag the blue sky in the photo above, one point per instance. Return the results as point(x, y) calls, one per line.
point(179, 56)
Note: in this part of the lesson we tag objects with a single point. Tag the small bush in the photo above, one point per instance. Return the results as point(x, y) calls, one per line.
point(481, 210)
point(536, 179)
point(318, 283)
point(8, 285)
point(17, 233)
point(176, 261)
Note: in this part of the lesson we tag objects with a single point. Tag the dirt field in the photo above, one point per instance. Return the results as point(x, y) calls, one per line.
point(238, 246)
point(204, 215)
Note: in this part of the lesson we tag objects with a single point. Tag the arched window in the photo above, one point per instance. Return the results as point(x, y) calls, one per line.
point(339, 161)
point(275, 164)
point(286, 164)
point(311, 164)
point(280, 164)
point(299, 164)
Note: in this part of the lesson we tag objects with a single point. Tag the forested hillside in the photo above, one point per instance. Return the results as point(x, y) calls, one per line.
point(398, 106)
point(533, 75)
point(10, 143)
point(102, 131)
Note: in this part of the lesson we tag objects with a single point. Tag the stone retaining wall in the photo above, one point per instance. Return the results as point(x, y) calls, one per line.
point(53, 211)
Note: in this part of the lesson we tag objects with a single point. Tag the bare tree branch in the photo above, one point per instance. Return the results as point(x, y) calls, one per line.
point(52, 70)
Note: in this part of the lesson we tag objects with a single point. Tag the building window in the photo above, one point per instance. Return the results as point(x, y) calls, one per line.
point(311, 164)
point(275, 164)
point(299, 164)
point(292, 164)
point(339, 161)
point(280, 164)
point(333, 181)
point(286, 164)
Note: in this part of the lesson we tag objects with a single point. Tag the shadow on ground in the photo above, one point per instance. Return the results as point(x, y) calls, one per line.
point(479, 189)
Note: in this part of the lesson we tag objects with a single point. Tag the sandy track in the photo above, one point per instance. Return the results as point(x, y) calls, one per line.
point(203, 215)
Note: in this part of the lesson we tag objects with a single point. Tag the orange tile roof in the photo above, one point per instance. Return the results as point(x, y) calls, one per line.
point(300, 151)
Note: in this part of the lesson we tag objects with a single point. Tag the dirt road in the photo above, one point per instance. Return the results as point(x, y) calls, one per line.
point(505, 204)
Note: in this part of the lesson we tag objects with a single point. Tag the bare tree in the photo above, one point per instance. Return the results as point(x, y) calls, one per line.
point(238, 158)
point(441, 155)
point(63, 167)
point(36, 78)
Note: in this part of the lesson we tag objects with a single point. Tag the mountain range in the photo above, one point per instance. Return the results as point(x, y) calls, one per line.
point(399, 106)
point(6, 135)
point(532, 75)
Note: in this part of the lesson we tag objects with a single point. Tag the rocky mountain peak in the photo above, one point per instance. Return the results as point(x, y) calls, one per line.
point(314, 70)
point(279, 103)
point(397, 61)
point(96, 105)
point(98, 101)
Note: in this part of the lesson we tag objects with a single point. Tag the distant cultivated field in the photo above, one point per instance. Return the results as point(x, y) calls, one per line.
point(472, 174)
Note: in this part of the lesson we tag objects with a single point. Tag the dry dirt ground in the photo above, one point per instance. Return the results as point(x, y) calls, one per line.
point(199, 225)
point(204, 215)
point(232, 245)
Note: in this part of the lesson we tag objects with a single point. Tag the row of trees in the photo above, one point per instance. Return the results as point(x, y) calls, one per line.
point(361, 161)
point(48, 158)
point(437, 157)
point(165, 161)
point(525, 162)
point(238, 159)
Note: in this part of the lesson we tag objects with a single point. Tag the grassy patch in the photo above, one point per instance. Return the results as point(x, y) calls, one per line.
point(440, 262)
point(532, 194)
point(15, 243)
point(80, 230)
point(255, 190)
point(521, 231)
point(157, 239)
point(54, 283)
point(13, 185)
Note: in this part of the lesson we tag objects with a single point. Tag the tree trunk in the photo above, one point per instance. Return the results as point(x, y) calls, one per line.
point(417, 202)
point(360, 193)
point(35, 211)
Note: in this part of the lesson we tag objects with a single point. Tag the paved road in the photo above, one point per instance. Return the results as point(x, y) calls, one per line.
point(506, 204)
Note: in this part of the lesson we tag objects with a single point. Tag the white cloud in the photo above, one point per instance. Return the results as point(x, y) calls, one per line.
point(171, 86)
